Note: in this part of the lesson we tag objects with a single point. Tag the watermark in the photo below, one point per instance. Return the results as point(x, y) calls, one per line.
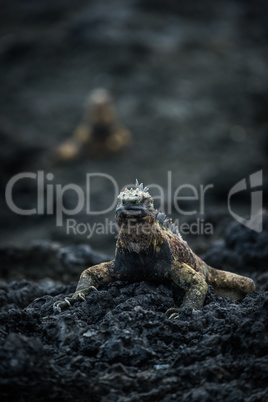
point(255, 221)
point(109, 227)
point(185, 199)
point(74, 227)
point(50, 196)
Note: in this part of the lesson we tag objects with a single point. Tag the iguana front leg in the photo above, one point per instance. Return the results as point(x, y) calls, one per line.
point(89, 281)
point(194, 284)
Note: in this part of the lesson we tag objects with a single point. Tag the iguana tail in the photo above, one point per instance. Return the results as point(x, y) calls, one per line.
point(228, 284)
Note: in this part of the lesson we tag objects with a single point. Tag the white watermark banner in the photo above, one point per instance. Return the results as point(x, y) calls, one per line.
point(50, 201)
point(109, 227)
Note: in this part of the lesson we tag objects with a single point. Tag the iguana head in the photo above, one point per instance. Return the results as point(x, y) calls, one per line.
point(99, 108)
point(138, 222)
point(135, 203)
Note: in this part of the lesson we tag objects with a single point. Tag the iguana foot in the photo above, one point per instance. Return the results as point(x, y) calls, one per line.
point(69, 301)
point(173, 312)
point(61, 305)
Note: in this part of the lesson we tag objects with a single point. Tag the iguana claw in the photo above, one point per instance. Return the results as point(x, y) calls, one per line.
point(81, 296)
point(59, 305)
point(91, 288)
point(173, 312)
point(69, 301)
point(56, 308)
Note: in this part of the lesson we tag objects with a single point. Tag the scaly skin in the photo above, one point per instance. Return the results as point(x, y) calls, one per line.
point(149, 247)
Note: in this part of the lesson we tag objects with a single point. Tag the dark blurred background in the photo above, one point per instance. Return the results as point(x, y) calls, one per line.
point(189, 80)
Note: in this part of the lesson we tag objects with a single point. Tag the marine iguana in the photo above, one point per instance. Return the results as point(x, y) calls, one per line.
point(150, 247)
point(99, 134)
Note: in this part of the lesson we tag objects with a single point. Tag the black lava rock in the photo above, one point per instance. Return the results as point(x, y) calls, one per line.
point(119, 345)
point(242, 248)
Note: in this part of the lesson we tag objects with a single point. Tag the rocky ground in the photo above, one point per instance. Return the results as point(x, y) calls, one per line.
point(118, 345)
point(190, 81)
